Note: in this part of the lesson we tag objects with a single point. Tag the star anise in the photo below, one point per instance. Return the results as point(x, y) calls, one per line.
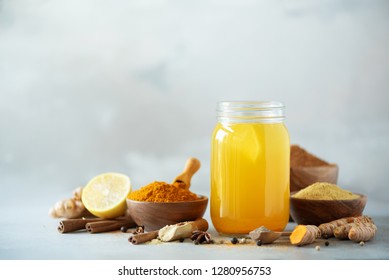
point(201, 237)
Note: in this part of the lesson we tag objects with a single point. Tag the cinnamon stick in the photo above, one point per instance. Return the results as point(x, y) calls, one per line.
point(71, 225)
point(143, 237)
point(108, 225)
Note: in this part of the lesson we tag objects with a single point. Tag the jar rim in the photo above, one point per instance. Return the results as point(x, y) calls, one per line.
point(250, 104)
point(251, 111)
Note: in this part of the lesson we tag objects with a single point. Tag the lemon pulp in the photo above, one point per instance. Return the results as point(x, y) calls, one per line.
point(105, 195)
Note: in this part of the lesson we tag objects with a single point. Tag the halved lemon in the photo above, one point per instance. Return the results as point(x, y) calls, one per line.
point(105, 195)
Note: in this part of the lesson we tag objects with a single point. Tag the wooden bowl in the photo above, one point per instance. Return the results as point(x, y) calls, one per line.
point(155, 215)
point(303, 176)
point(316, 212)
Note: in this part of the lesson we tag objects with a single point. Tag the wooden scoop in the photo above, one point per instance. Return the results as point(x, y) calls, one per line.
point(267, 236)
point(271, 236)
point(191, 167)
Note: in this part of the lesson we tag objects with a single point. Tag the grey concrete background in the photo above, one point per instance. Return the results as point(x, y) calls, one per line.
point(131, 86)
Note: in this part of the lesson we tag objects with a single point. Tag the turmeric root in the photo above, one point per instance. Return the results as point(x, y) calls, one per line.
point(363, 231)
point(304, 234)
point(357, 229)
point(341, 232)
point(327, 229)
point(69, 208)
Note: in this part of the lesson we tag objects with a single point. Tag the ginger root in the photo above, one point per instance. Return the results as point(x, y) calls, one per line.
point(304, 234)
point(69, 208)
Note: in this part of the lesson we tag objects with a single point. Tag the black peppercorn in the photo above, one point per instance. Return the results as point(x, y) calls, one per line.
point(259, 243)
point(327, 243)
point(182, 239)
point(234, 240)
point(124, 229)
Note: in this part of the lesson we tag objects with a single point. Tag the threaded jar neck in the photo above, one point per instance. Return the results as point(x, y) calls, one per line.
point(250, 112)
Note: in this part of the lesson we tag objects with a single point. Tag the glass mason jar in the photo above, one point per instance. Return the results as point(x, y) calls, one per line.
point(250, 158)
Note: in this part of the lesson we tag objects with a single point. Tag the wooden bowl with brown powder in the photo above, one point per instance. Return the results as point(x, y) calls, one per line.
point(306, 169)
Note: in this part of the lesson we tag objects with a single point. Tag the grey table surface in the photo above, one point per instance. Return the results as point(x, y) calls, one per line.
point(28, 233)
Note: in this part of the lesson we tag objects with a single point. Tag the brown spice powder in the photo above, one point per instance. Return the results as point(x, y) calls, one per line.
point(300, 157)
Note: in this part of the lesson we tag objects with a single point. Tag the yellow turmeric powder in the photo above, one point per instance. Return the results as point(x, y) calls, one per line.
point(162, 192)
point(324, 191)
